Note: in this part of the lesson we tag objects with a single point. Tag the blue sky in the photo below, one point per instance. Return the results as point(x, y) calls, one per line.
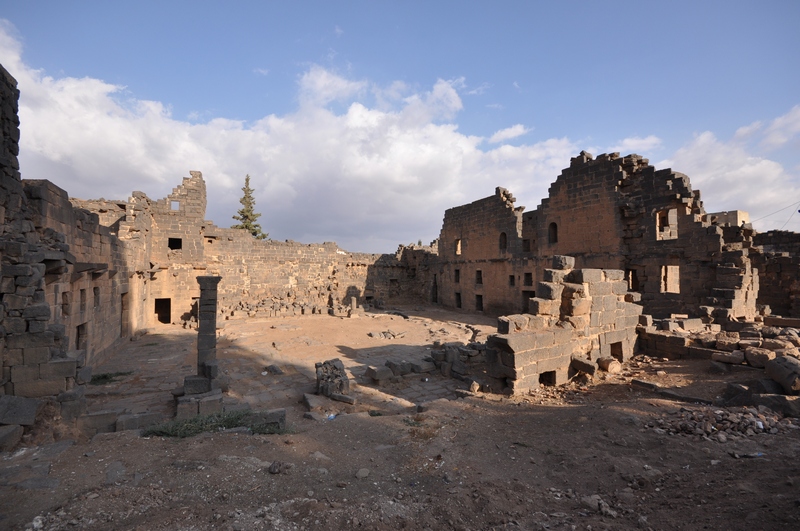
point(361, 122)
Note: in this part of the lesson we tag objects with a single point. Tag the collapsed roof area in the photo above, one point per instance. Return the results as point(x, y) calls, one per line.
point(79, 275)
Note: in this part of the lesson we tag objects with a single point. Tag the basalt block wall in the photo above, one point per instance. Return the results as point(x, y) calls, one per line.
point(613, 213)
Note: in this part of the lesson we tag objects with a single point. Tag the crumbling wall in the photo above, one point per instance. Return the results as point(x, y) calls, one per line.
point(479, 258)
point(32, 348)
point(579, 317)
point(611, 212)
point(777, 258)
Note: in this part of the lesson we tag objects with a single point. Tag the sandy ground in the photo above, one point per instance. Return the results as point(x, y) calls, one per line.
point(603, 454)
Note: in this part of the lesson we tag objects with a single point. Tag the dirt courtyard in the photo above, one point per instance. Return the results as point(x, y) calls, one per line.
point(600, 454)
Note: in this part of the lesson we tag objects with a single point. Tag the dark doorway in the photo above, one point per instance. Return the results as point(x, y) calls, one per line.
point(80, 337)
point(526, 300)
point(164, 310)
point(435, 290)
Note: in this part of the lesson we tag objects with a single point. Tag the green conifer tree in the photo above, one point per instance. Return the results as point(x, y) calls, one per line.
point(247, 215)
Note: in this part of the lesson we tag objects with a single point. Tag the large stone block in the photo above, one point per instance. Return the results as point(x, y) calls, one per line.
point(24, 373)
point(100, 421)
point(587, 275)
point(40, 388)
point(549, 290)
point(18, 410)
point(195, 385)
point(563, 262)
point(58, 369)
point(42, 339)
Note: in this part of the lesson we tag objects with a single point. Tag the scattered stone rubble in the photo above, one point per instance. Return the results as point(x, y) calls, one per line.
point(722, 424)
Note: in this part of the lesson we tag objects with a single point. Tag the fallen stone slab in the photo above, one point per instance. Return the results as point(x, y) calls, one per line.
point(736, 357)
point(18, 410)
point(583, 365)
point(342, 398)
point(786, 371)
point(758, 357)
point(315, 402)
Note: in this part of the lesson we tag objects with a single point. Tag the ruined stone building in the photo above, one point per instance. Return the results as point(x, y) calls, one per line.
point(80, 275)
point(609, 213)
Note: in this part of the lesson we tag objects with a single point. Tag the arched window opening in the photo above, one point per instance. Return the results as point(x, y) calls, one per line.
point(503, 241)
point(458, 246)
point(552, 233)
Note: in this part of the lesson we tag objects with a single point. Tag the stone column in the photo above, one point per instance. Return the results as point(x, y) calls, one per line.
point(207, 327)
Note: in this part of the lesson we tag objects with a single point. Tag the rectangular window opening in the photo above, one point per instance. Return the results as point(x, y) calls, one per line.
point(670, 279)
point(526, 246)
point(529, 279)
point(457, 276)
point(80, 336)
point(175, 244)
point(174, 205)
point(633, 279)
point(547, 378)
point(96, 291)
point(667, 224)
point(479, 303)
point(478, 277)
point(83, 300)
point(511, 280)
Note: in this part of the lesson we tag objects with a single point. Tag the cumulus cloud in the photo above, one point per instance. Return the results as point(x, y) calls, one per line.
point(368, 176)
point(636, 144)
point(734, 175)
point(508, 133)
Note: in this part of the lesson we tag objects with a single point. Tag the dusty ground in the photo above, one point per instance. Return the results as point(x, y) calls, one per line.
point(597, 455)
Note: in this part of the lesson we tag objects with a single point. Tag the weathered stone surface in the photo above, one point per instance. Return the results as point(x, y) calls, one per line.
point(18, 410)
point(758, 357)
point(736, 357)
point(10, 436)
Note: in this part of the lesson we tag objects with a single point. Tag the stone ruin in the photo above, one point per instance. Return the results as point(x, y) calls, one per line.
point(582, 317)
point(79, 276)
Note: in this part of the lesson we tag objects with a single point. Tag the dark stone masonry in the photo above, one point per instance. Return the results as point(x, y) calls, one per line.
point(618, 248)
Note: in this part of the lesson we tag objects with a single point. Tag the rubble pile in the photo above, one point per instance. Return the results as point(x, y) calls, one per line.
point(332, 380)
point(722, 425)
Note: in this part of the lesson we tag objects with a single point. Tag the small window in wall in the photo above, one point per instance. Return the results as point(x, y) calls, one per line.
point(175, 243)
point(528, 279)
point(479, 303)
point(174, 205)
point(458, 300)
point(458, 246)
point(163, 309)
point(66, 297)
point(552, 233)
point(667, 224)
point(503, 241)
point(209, 241)
point(478, 277)
point(670, 279)
point(526, 246)
point(633, 279)
point(511, 280)
point(81, 336)
point(394, 283)
point(457, 276)
point(96, 297)
point(547, 378)
point(83, 300)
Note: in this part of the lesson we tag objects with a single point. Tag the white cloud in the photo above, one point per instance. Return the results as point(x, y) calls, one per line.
point(508, 133)
point(338, 31)
point(480, 89)
point(319, 86)
point(261, 71)
point(368, 177)
point(782, 129)
point(636, 144)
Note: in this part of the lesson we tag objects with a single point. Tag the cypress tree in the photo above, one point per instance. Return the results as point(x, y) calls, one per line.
point(247, 215)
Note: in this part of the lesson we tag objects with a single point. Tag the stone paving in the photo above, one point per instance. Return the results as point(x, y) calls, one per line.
point(248, 352)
